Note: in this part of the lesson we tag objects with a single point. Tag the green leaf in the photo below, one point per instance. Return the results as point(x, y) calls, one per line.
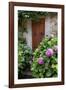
point(48, 73)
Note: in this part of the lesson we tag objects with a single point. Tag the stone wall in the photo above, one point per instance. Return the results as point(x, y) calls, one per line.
point(51, 26)
point(28, 34)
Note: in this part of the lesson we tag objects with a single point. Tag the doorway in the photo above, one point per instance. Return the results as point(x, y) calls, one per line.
point(38, 32)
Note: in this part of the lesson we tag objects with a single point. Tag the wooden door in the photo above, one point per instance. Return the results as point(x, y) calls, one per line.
point(38, 30)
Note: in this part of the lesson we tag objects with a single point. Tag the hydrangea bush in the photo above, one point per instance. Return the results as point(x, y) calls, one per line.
point(45, 59)
point(24, 57)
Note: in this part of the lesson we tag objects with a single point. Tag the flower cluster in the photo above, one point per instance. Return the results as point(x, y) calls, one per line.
point(40, 60)
point(49, 52)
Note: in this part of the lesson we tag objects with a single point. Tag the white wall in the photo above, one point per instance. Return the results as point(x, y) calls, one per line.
point(4, 45)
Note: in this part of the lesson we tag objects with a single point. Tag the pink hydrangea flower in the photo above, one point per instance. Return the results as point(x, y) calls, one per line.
point(49, 52)
point(40, 60)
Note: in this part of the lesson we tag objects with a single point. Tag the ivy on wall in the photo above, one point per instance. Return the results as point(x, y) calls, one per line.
point(32, 15)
